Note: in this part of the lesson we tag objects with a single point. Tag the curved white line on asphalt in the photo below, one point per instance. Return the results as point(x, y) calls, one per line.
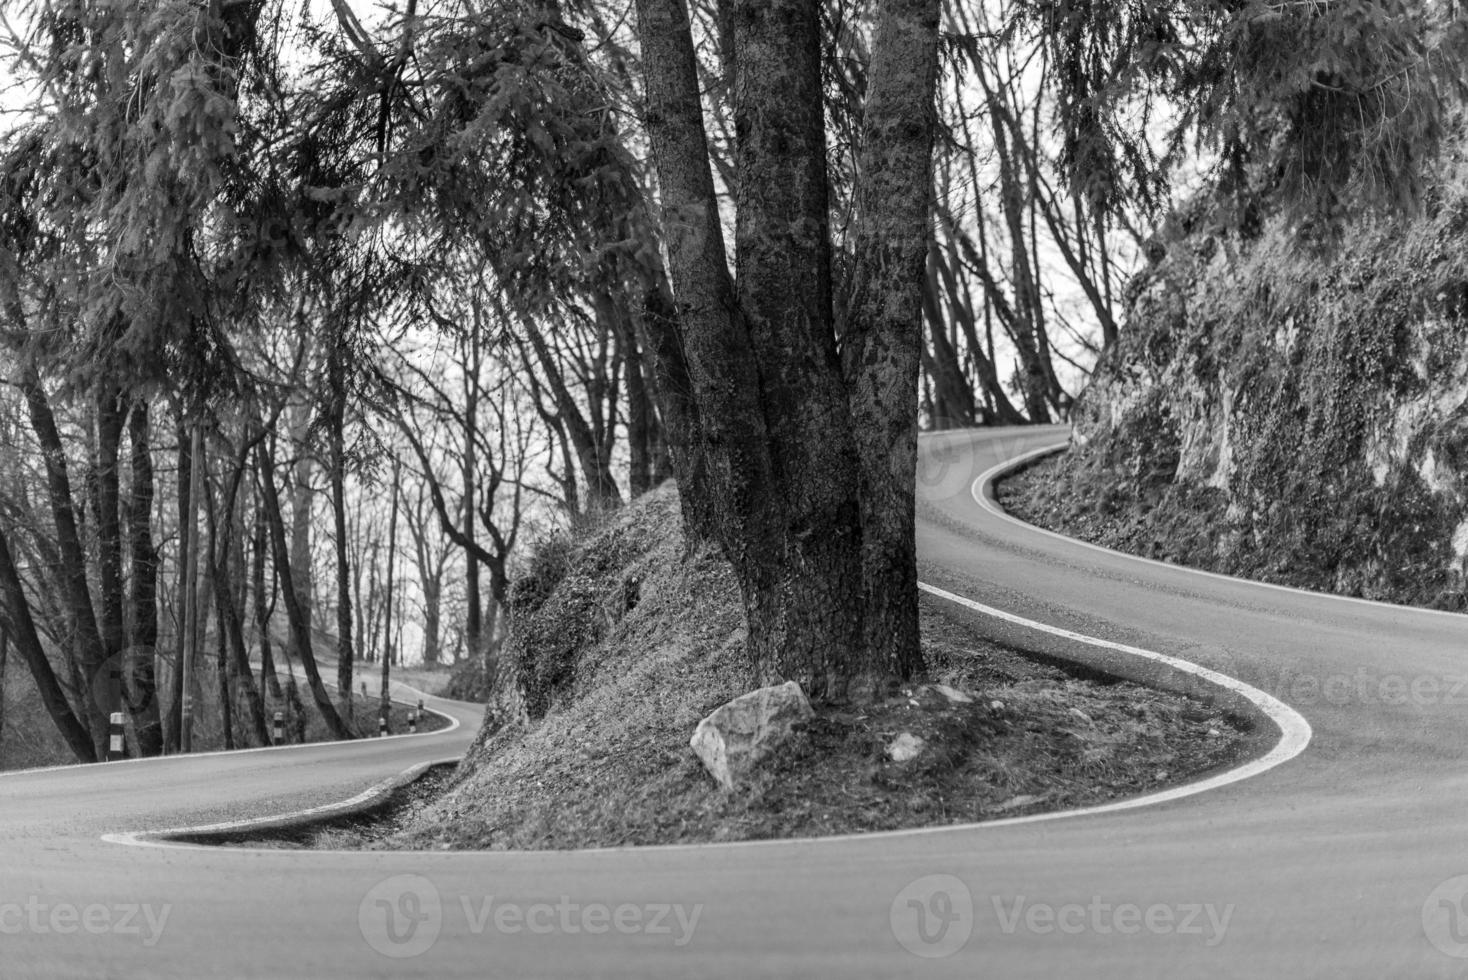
point(140, 838)
point(982, 490)
point(1294, 730)
point(451, 726)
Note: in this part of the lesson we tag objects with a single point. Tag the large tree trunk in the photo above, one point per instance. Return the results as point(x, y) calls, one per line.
point(141, 687)
point(822, 544)
point(806, 581)
point(705, 364)
point(773, 471)
point(885, 334)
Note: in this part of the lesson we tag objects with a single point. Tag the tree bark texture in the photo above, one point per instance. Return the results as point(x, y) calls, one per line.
point(884, 337)
point(140, 679)
point(775, 427)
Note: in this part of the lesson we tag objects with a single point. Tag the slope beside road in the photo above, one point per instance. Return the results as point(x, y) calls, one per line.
point(1343, 861)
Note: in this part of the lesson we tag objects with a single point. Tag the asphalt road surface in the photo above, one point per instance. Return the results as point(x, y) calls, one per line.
point(1349, 860)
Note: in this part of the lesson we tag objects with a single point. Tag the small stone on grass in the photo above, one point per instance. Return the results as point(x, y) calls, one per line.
point(905, 747)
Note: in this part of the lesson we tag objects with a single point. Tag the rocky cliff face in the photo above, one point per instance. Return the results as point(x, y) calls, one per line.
point(1295, 416)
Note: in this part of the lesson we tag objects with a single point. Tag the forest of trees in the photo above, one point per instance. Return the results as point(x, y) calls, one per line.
point(315, 318)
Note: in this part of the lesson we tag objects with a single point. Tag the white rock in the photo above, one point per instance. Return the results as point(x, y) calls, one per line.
point(951, 694)
point(732, 740)
point(905, 747)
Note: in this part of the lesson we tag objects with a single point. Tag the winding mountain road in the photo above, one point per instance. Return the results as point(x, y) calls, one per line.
point(1342, 862)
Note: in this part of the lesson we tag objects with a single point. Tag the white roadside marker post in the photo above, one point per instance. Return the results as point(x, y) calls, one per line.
point(412, 722)
point(115, 738)
point(382, 726)
point(279, 726)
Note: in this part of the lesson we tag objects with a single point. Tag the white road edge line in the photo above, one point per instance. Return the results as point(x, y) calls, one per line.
point(983, 493)
point(139, 838)
point(294, 746)
point(1294, 730)
point(1295, 734)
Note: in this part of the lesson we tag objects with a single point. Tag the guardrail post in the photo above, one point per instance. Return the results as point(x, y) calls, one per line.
point(116, 745)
